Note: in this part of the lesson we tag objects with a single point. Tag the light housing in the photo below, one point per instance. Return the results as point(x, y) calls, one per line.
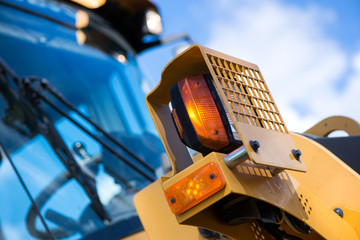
point(194, 188)
point(200, 117)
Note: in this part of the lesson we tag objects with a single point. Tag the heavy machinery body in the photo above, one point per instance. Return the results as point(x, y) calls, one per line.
point(316, 193)
point(77, 143)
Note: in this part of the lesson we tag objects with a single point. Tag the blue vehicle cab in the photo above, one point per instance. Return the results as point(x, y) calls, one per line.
point(76, 140)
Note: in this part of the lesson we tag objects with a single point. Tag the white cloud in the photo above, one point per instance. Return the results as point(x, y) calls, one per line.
point(13, 231)
point(349, 98)
point(300, 62)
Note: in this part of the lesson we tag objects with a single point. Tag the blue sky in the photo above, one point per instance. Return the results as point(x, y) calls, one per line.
point(308, 52)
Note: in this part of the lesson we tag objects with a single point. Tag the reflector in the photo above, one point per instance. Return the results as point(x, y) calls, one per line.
point(194, 188)
point(199, 116)
point(203, 113)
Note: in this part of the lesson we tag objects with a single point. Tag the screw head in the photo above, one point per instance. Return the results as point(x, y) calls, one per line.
point(255, 145)
point(296, 153)
point(339, 212)
point(212, 176)
point(172, 200)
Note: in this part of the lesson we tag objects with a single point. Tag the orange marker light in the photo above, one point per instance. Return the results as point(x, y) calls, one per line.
point(194, 188)
point(203, 112)
point(199, 115)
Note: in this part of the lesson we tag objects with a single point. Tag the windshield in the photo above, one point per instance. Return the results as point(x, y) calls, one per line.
point(103, 81)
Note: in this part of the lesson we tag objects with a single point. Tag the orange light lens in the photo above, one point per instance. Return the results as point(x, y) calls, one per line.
point(194, 188)
point(203, 112)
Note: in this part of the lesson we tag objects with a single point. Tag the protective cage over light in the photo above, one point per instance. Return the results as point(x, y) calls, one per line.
point(200, 116)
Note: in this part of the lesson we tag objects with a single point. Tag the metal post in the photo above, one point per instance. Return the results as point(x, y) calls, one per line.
point(236, 157)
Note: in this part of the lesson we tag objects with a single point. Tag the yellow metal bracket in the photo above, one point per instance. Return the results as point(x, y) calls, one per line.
point(247, 100)
point(284, 191)
point(331, 124)
point(311, 197)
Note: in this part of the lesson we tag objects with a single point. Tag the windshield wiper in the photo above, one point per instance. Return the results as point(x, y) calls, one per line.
point(9, 94)
point(34, 95)
point(29, 103)
point(44, 85)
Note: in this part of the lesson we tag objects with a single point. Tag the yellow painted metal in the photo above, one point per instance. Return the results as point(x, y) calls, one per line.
point(251, 106)
point(290, 191)
point(156, 217)
point(245, 91)
point(321, 217)
point(328, 125)
point(310, 196)
point(137, 236)
point(312, 236)
point(160, 223)
point(335, 183)
point(330, 178)
point(283, 191)
point(352, 217)
point(246, 98)
point(248, 179)
point(271, 152)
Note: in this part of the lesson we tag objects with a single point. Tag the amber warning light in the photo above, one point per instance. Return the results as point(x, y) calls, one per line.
point(194, 188)
point(200, 117)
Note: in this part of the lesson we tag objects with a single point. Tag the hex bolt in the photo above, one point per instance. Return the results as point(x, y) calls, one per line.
point(255, 145)
point(296, 153)
point(212, 176)
point(339, 212)
point(172, 200)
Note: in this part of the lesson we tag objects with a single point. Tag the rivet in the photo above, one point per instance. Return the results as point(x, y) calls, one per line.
point(339, 212)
